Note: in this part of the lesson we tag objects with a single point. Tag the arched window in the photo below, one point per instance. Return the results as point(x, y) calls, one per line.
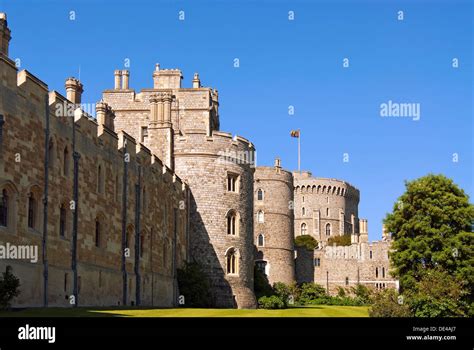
point(303, 211)
point(260, 217)
point(62, 221)
point(376, 272)
point(4, 208)
point(304, 229)
point(261, 240)
point(260, 194)
point(97, 233)
point(66, 162)
point(328, 229)
point(32, 210)
point(232, 262)
point(100, 179)
point(232, 223)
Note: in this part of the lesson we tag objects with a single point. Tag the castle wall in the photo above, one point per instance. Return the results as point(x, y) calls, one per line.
point(24, 101)
point(277, 251)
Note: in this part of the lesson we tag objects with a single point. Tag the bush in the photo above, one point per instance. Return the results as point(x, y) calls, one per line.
point(9, 288)
point(271, 302)
point(306, 241)
point(282, 291)
point(261, 285)
point(341, 292)
point(340, 240)
point(309, 292)
point(386, 304)
point(194, 286)
point(362, 293)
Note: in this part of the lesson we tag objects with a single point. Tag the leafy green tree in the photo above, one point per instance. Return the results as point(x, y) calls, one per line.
point(9, 288)
point(431, 227)
point(194, 286)
point(307, 241)
point(388, 303)
point(340, 240)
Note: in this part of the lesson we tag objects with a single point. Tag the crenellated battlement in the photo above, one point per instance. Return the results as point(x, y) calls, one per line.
point(326, 186)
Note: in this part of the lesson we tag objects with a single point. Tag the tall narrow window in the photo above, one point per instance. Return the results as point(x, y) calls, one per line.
point(32, 207)
point(383, 272)
point(260, 194)
point(232, 223)
point(4, 208)
point(304, 229)
point(328, 229)
point(232, 262)
point(97, 233)
point(303, 211)
point(260, 217)
point(261, 240)
point(327, 212)
point(347, 281)
point(100, 179)
point(66, 161)
point(376, 272)
point(370, 254)
point(232, 185)
point(62, 221)
point(303, 199)
point(144, 134)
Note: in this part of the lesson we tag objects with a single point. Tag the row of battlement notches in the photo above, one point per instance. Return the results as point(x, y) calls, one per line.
point(217, 136)
point(326, 187)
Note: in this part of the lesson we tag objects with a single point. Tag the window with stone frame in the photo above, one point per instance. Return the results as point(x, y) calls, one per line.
point(232, 182)
point(232, 262)
point(260, 194)
point(261, 240)
point(232, 223)
point(260, 217)
point(328, 229)
point(304, 229)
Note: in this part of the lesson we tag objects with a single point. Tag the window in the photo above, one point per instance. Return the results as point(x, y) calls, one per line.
point(303, 211)
point(144, 134)
point(327, 212)
point(304, 229)
point(370, 254)
point(100, 179)
point(232, 183)
point(97, 233)
point(328, 229)
point(327, 200)
point(66, 162)
point(303, 199)
point(260, 194)
point(260, 217)
point(4, 203)
point(62, 221)
point(32, 210)
point(261, 265)
point(232, 223)
point(261, 240)
point(376, 272)
point(347, 281)
point(383, 271)
point(232, 262)
point(317, 262)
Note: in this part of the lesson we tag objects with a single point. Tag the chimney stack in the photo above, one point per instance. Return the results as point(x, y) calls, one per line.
point(125, 78)
point(118, 79)
point(74, 90)
point(196, 81)
point(105, 115)
point(5, 34)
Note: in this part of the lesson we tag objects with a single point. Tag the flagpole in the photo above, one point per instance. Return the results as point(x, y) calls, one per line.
point(299, 151)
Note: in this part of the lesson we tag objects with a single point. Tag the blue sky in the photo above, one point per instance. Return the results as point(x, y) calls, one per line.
point(283, 63)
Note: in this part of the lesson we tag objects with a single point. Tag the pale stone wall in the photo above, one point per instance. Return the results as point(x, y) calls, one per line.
point(277, 229)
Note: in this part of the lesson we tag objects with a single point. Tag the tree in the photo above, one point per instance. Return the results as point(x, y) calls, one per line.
point(194, 286)
point(9, 288)
point(388, 303)
point(431, 228)
point(340, 240)
point(306, 241)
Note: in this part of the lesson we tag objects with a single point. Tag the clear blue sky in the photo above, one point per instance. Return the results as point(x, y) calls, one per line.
point(286, 63)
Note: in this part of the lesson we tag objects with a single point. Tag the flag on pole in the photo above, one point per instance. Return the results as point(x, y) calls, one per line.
point(295, 133)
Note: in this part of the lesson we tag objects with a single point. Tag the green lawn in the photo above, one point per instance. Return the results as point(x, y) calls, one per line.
point(307, 311)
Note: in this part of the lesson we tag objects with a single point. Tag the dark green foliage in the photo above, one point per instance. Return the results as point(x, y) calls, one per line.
point(341, 292)
point(310, 292)
point(261, 285)
point(386, 303)
point(362, 293)
point(431, 227)
point(340, 240)
point(306, 241)
point(271, 302)
point(194, 286)
point(9, 288)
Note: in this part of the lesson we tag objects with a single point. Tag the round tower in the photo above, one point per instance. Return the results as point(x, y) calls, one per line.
point(325, 207)
point(220, 173)
point(273, 228)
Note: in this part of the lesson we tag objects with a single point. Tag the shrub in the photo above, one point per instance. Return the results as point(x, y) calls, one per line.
point(340, 240)
point(306, 241)
point(310, 292)
point(341, 292)
point(9, 288)
point(386, 304)
point(271, 302)
point(194, 286)
point(362, 293)
point(282, 291)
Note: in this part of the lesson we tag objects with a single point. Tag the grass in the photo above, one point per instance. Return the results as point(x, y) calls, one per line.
point(303, 311)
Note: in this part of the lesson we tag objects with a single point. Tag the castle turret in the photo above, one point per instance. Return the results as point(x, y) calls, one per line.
point(196, 81)
point(5, 34)
point(74, 90)
point(273, 228)
point(105, 115)
point(167, 78)
point(363, 231)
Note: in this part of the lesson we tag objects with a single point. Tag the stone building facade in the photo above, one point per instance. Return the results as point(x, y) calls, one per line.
point(131, 208)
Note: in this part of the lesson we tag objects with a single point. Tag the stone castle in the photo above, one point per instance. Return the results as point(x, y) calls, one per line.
point(114, 205)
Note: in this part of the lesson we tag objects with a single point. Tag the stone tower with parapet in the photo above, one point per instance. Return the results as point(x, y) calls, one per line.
point(327, 207)
point(273, 233)
point(181, 126)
